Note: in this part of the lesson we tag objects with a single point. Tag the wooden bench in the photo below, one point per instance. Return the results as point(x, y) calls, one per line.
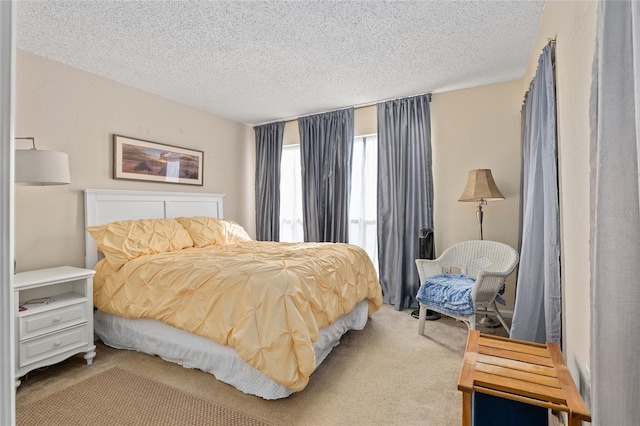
point(516, 370)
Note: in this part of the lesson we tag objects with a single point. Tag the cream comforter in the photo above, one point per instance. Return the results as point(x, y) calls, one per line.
point(267, 300)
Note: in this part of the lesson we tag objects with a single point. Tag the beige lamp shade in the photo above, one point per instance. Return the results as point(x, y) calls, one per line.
point(480, 187)
point(41, 167)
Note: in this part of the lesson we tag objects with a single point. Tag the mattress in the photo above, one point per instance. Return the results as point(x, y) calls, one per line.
point(192, 351)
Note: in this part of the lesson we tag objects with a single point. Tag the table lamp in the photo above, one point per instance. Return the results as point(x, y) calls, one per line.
point(41, 167)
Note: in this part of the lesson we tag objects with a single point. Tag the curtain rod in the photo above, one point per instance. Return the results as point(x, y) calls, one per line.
point(296, 117)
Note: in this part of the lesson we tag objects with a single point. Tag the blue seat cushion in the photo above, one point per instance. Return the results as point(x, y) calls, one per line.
point(449, 294)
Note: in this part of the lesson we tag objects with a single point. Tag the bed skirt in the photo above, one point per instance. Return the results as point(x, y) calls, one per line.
point(192, 351)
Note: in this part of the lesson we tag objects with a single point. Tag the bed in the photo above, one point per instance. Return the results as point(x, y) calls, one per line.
point(175, 279)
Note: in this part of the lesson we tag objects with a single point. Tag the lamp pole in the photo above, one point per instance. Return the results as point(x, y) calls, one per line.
point(480, 216)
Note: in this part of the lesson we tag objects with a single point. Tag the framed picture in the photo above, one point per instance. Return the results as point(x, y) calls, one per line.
point(136, 159)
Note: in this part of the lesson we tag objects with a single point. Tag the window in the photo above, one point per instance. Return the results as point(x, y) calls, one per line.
point(291, 228)
point(363, 204)
point(363, 207)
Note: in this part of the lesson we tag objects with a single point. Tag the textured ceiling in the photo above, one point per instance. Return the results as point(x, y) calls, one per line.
point(262, 61)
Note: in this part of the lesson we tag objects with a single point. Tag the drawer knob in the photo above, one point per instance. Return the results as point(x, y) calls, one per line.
point(57, 343)
point(56, 319)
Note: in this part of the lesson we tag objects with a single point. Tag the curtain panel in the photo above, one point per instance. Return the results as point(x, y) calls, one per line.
point(615, 216)
point(326, 149)
point(405, 194)
point(268, 157)
point(537, 314)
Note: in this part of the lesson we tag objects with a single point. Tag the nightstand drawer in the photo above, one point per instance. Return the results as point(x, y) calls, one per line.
point(53, 344)
point(51, 320)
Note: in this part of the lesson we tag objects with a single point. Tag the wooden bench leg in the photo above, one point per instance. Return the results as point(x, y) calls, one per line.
point(466, 408)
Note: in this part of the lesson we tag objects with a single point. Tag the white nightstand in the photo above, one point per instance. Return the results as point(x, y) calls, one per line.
point(51, 332)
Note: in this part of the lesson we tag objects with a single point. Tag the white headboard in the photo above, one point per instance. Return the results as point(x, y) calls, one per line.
point(108, 205)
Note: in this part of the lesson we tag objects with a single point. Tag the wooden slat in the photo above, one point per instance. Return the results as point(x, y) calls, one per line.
point(524, 399)
point(518, 356)
point(516, 365)
point(519, 347)
point(516, 387)
point(523, 376)
point(490, 337)
point(577, 407)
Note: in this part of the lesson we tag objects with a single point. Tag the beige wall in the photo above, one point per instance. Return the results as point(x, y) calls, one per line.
point(477, 128)
point(365, 120)
point(70, 110)
point(573, 24)
point(291, 134)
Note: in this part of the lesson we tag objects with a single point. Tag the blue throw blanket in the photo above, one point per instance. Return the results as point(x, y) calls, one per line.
point(450, 294)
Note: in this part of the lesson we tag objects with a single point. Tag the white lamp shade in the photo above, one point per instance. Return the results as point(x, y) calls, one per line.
point(41, 167)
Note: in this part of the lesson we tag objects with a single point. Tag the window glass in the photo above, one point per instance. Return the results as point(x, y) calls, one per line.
point(363, 208)
point(291, 229)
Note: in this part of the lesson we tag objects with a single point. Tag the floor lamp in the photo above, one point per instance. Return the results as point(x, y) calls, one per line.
point(481, 188)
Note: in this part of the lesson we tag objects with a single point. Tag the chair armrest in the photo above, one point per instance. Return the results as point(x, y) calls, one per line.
point(494, 274)
point(487, 286)
point(428, 268)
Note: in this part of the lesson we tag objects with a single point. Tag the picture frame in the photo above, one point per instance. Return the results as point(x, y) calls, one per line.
point(138, 159)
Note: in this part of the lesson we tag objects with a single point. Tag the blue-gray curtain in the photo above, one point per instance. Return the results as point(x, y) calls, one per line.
point(268, 156)
point(405, 194)
point(538, 306)
point(326, 148)
point(615, 216)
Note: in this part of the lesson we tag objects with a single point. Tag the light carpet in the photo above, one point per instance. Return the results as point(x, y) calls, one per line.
point(383, 375)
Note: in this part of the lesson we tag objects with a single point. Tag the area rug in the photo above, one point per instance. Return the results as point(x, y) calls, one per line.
point(119, 397)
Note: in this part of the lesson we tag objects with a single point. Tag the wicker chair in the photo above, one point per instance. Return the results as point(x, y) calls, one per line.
point(488, 262)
